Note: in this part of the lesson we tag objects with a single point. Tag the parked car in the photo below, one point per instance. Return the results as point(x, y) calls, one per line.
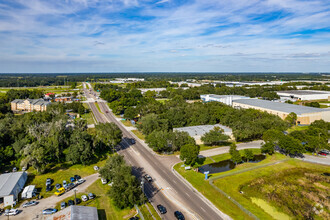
point(72, 179)
point(63, 205)
point(64, 183)
point(48, 181)
point(69, 186)
point(84, 198)
point(14, 169)
point(104, 181)
point(134, 218)
point(148, 177)
point(49, 188)
point(106, 111)
point(70, 202)
point(77, 177)
point(91, 196)
point(60, 191)
point(179, 215)
point(133, 141)
point(96, 168)
point(49, 211)
point(161, 209)
point(323, 154)
point(325, 151)
point(80, 181)
point(77, 200)
point(11, 212)
point(57, 186)
point(31, 203)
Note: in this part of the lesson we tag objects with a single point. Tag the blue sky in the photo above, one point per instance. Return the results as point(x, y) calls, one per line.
point(164, 35)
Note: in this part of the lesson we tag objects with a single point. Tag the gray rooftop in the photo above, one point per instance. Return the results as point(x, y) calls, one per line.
point(75, 212)
point(304, 92)
point(281, 107)
point(202, 129)
point(224, 96)
point(8, 182)
point(32, 101)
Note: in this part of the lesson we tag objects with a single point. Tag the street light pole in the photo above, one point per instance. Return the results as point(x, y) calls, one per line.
point(75, 201)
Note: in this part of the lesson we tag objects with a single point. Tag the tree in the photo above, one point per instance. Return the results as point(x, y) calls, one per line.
point(159, 141)
point(81, 148)
point(248, 154)
point(235, 155)
point(189, 153)
point(179, 139)
point(130, 113)
point(108, 134)
point(109, 171)
point(291, 118)
point(152, 122)
point(268, 148)
point(290, 145)
point(214, 136)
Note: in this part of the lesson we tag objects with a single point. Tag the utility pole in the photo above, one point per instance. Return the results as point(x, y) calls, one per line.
point(75, 201)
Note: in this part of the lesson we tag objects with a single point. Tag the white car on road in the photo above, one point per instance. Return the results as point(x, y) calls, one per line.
point(11, 212)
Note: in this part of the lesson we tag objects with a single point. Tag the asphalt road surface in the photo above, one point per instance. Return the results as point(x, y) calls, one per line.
point(166, 189)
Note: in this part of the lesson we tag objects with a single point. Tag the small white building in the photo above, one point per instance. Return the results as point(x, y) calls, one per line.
point(226, 99)
point(11, 184)
point(29, 192)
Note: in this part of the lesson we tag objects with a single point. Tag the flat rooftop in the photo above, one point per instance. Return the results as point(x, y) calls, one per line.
point(279, 106)
point(304, 92)
point(199, 130)
point(223, 96)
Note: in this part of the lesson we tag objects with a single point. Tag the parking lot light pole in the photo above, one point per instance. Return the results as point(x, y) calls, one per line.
point(75, 198)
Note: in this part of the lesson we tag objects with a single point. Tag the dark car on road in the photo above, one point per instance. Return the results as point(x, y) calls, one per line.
point(70, 202)
point(148, 177)
point(78, 201)
point(77, 177)
point(31, 203)
point(161, 209)
point(178, 215)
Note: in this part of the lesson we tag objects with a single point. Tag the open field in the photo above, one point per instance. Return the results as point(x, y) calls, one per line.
point(218, 199)
point(59, 173)
point(88, 116)
point(283, 189)
point(46, 89)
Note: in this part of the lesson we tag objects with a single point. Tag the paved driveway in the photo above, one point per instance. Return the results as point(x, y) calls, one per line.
point(222, 150)
point(34, 212)
point(317, 159)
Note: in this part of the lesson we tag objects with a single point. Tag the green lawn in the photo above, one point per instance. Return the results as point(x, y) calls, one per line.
point(218, 199)
point(88, 116)
point(146, 213)
point(103, 203)
point(139, 134)
point(232, 185)
point(59, 173)
point(297, 128)
point(127, 123)
point(98, 107)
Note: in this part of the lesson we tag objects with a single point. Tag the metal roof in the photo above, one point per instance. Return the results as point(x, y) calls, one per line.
point(279, 106)
point(202, 129)
point(8, 182)
point(304, 92)
point(75, 212)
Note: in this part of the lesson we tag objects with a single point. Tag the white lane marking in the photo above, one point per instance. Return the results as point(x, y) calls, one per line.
point(187, 194)
point(203, 209)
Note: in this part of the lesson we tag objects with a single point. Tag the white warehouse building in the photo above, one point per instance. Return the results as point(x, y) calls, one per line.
point(11, 184)
point(226, 99)
point(304, 95)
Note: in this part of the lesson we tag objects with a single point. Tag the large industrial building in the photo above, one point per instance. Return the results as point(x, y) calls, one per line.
point(304, 95)
point(75, 212)
point(226, 99)
point(11, 184)
point(306, 115)
point(197, 132)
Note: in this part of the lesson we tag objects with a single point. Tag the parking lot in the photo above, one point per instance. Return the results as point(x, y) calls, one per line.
point(35, 212)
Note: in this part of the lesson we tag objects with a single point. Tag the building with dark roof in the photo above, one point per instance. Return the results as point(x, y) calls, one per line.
point(306, 115)
point(11, 184)
point(29, 105)
point(75, 212)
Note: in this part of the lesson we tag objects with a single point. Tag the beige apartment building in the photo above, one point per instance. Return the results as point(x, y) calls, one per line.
point(305, 115)
point(29, 105)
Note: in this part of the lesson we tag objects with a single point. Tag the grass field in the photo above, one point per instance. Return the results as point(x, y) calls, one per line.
point(59, 173)
point(146, 213)
point(218, 199)
point(127, 123)
point(46, 89)
point(139, 134)
point(297, 128)
point(282, 188)
point(88, 116)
